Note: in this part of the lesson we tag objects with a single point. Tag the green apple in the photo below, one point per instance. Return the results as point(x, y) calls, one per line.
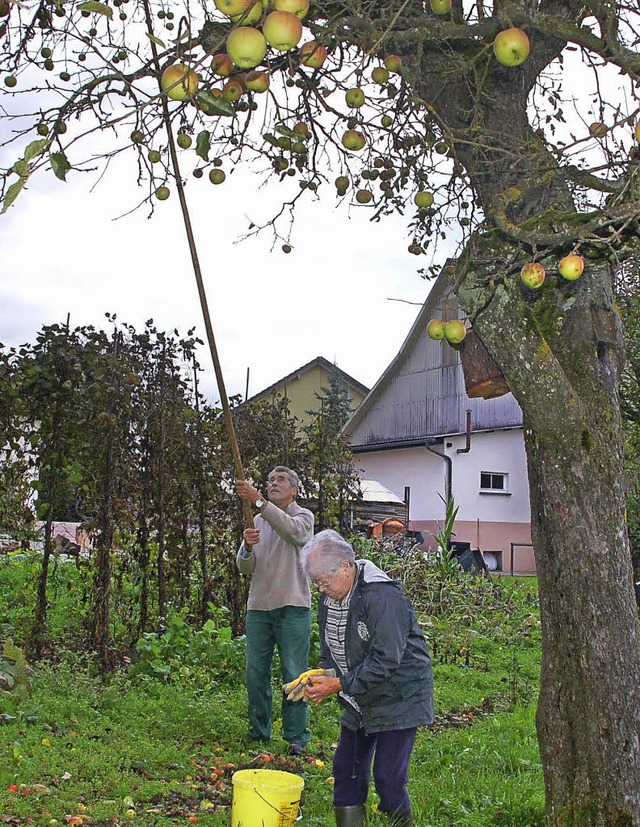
point(232, 90)
point(424, 198)
point(454, 331)
point(217, 176)
point(598, 130)
point(297, 7)
point(355, 98)
point(364, 196)
point(435, 329)
point(184, 141)
point(162, 193)
point(282, 30)
point(246, 47)
point(511, 47)
point(313, 54)
point(233, 8)
point(637, 131)
point(532, 275)
point(251, 15)
point(179, 82)
point(571, 267)
point(380, 75)
point(440, 6)
point(393, 63)
point(353, 140)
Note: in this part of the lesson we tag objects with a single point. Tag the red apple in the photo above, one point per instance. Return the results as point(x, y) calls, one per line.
point(313, 54)
point(571, 267)
point(179, 82)
point(246, 47)
point(454, 331)
point(221, 65)
point(297, 7)
point(257, 81)
point(353, 140)
point(355, 98)
point(424, 198)
point(532, 275)
point(511, 47)
point(232, 90)
point(435, 329)
point(440, 6)
point(282, 30)
point(393, 63)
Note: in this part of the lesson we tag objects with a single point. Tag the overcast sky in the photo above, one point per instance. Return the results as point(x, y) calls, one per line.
point(66, 250)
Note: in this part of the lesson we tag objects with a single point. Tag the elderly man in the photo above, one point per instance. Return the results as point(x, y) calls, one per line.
point(370, 637)
point(278, 609)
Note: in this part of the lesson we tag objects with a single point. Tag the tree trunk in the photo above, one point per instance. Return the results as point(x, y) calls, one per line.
point(564, 373)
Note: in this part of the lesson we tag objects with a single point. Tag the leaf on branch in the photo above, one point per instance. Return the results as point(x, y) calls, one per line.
point(96, 8)
point(211, 105)
point(36, 148)
point(203, 145)
point(60, 165)
point(156, 40)
point(12, 193)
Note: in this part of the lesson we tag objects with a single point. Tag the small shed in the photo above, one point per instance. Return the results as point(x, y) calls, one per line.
point(377, 504)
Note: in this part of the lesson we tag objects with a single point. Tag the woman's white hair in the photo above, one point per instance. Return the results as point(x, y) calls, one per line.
point(324, 554)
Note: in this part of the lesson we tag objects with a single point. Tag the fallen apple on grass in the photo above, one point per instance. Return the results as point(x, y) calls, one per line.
point(532, 275)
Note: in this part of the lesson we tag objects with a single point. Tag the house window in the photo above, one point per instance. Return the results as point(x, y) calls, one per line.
point(492, 482)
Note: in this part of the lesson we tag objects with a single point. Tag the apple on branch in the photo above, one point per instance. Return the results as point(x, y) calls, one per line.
point(511, 47)
point(571, 267)
point(454, 331)
point(313, 54)
point(435, 329)
point(179, 82)
point(233, 8)
point(532, 275)
point(282, 30)
point(297, 7)
point(246, 47)
point(353, 140)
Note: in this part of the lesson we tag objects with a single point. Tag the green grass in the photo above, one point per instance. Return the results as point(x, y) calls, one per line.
point(160, 748)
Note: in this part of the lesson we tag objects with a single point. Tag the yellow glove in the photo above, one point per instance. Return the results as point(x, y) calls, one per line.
point(295, 689)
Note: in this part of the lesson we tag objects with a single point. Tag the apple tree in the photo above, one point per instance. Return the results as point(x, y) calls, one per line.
point(507, 127)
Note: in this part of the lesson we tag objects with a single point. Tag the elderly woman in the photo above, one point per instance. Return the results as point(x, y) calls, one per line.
point(370, 637)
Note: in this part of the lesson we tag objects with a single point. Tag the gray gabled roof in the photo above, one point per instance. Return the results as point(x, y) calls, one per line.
point(422, 393)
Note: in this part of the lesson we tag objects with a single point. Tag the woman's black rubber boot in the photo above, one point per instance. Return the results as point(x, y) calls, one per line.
point(355, 816)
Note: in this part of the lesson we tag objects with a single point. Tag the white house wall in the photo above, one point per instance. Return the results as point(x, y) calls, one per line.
point(498, 523)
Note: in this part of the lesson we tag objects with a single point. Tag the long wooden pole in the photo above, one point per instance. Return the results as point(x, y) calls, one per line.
point(228, 418)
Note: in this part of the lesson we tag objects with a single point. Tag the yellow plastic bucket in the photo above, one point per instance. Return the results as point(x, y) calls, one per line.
point(265, 798)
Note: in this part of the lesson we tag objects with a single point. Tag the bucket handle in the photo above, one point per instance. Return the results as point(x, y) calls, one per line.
point(283, 815)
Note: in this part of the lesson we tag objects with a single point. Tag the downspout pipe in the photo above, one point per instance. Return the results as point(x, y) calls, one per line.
point(449, 466)
point(467, 447)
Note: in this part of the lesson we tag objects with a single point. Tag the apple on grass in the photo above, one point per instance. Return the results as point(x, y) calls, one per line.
point(313, 54)
point(179, 82)
point(532, 275)
point(282, 30)
point(511, 46)
point(571, 267)
point(435, 329)
point(454, 331)
point(246, 47)
point(297, 7)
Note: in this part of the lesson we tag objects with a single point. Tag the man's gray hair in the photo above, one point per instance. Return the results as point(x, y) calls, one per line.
point(294, 479)
point(324, 554)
